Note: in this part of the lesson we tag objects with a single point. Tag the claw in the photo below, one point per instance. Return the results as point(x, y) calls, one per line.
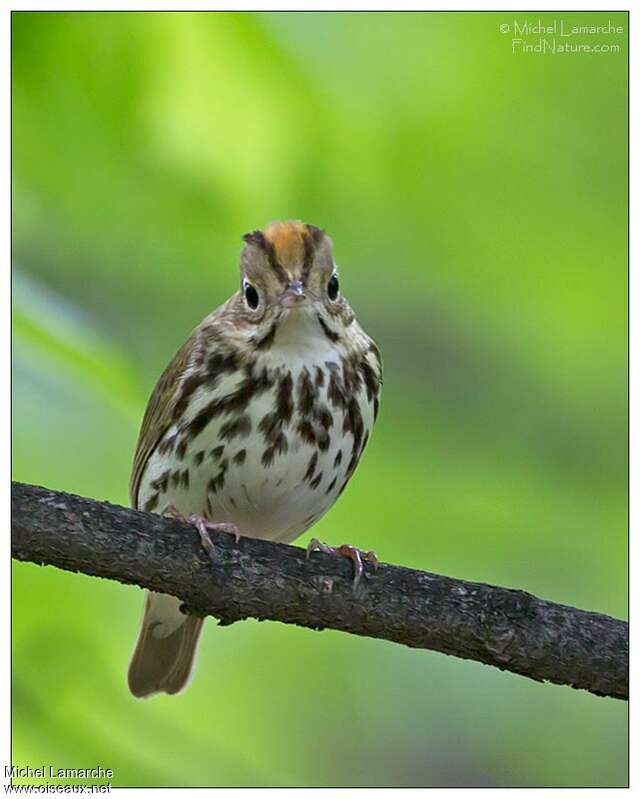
point(203, 525)
point(173, 512)
point(346, 551)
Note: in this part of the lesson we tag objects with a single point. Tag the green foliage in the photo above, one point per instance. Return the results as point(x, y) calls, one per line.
point(477, 200)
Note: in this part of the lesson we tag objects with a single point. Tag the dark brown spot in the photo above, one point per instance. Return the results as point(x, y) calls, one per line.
point(266, 341)
point(184, 479)
point(311, 467)
point(220, 361)
point(335, 390)
point(323, 416)
point(306, 393)
point(284, 400)
point(198, 458)
point(181, 449)
point(329, 333)
point(151, 503)
point(370, 379)
point(376, 354)
point(240, 456)
point(376, 405)
point(338, 460)
point(197, 424)
point(353, 423)
point(272, 423)
point(217, 483)
point(168, 444)
point(316, 480)
point(331, 486)
point(233, 502)
point(279, 447)
point(353, 462)
point(306, 431)
point(319, 377)
point(188, 387)
point(351, 376)
point(216, 453)
point(240, 426)
point(161, 483)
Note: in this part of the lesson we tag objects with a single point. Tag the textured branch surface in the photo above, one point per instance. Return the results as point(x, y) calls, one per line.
point(510, 629)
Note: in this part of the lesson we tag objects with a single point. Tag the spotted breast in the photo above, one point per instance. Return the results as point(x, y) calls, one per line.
point(270, 438)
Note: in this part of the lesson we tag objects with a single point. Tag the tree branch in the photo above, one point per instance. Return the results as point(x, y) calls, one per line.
point(509, 629)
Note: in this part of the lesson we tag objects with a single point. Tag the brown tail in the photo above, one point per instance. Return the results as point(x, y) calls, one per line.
point(166, 647)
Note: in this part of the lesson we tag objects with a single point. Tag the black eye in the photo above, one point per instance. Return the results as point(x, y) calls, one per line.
point(251, 295)
point(333, 287)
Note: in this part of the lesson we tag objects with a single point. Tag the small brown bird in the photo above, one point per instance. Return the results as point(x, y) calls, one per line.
point(257, 423)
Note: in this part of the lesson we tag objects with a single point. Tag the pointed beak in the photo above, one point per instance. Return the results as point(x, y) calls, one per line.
point(294, 295)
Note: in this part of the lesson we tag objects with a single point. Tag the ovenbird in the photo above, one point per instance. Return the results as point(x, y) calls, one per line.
point(257, 423)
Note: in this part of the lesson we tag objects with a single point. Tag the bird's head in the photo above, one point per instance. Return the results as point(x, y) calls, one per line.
point(285, 269)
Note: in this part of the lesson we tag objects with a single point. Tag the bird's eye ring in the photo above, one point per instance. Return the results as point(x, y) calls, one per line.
point(251, 296)
point(333, 287)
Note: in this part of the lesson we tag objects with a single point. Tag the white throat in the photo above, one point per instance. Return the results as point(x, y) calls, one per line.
point(300, 336)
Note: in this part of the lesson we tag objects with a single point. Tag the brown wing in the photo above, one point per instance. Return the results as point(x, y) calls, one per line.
point(160, 409)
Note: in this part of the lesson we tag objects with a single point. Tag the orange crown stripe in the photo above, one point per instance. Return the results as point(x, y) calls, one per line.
point(287, 240)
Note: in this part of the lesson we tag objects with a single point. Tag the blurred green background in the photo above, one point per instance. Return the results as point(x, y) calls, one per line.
point(478, 204)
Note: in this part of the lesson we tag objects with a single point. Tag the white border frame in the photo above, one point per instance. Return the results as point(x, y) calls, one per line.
point(302, 5)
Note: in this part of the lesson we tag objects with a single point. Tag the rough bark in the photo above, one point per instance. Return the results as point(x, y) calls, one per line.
point(501, 627)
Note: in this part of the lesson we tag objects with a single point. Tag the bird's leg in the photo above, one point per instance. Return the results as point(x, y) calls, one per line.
point(203, 526)
point(346, 551)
